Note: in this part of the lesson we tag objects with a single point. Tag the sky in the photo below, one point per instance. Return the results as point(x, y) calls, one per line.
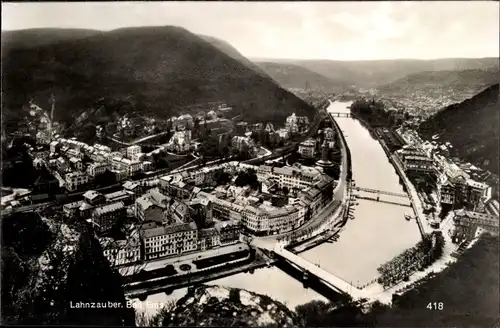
point(301, 30)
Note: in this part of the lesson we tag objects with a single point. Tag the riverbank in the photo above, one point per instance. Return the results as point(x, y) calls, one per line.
point(169, 284)
point(408, 186)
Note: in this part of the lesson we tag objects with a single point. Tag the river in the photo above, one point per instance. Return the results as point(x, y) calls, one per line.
point(377, 233)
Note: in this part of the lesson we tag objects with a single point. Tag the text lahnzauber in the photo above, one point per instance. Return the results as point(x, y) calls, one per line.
point(95, 305)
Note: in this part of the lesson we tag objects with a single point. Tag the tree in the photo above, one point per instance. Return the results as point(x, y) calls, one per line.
point(245, 178)
point(222, 177)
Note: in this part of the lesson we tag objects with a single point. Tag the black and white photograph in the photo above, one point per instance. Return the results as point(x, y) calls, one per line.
point(250, 164)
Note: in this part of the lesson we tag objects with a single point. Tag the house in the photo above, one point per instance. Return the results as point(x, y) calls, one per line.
point(208, 239)
point(119, 196)
point(307, 148)
point(132, 151)
point(179, 212)
point(121, 252)
point(71, 209)
point(103, 217)
point(170, 240)
point(467, 222)
point(94, 198)
point(85, 210)
point(74, 180)
point(147, 210)
point(229, 232)
point(76, 163)
point(132, 187)
point(99, 168)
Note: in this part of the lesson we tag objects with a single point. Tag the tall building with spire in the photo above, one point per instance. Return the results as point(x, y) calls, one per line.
point(324, 161)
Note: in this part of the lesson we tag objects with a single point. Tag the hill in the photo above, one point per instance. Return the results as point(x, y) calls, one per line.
point(374, 73)
point(231, 51)
point(292, 76)
point(427, 92)
point(157, 71)
point(456, 83)
point(471, 127)
point(42, 36)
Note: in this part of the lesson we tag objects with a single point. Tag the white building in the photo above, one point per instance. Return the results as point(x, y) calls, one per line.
point(307, 148)
point(132, 151)
point(170, 240)
point(96, 169)
point(75, 179)
point(180, 141)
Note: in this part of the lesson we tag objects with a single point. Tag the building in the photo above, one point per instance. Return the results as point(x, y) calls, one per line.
point(131, 167)
point(455, 188)
point(132, 187)
point(324, 162)
point(103, 217)
point(319, 195)
point(94, 198)
point(55, 146)
point(180, 141)
point(76, 163)
point(241, 143)
point(208, 239)
point(269, 127)
point(307, 148)
point(229, 232)
point(329, 134)
point(296, 124)
point(295, 177)
point(284, 134)
point(74, 180)
point(183, 122)
point(119, 196)
point(415, 160)
point(121, 252)
point(467, 223)
point(170, 240)
point(132, 151)
point(175, 188)
point(291, 124)
point(179, 212)
point(146, 209)
point(211, 115)
point(99, 168)
point(72, 209)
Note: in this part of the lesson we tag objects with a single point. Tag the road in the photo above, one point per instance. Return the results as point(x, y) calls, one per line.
point(138, 140)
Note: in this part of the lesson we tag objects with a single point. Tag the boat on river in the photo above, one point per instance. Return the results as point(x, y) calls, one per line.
point(408, 217)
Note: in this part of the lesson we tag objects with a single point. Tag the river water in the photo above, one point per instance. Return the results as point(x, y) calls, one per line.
point(377, 233)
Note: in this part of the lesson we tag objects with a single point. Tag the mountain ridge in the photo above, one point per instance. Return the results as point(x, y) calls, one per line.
point(373, 73)
point(153, 70)
point(294, 76)
point(471, 127)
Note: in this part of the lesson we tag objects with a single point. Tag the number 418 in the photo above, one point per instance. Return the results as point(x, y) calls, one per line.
point(435, 306)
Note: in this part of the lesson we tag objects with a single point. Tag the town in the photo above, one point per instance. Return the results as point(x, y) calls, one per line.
point(147, 219)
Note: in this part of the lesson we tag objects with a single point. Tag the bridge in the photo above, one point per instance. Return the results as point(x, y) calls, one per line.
point(341, 114)
point(336, 283)
point(379, 192)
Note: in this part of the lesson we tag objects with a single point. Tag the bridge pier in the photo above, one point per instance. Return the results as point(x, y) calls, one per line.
point(305, 276)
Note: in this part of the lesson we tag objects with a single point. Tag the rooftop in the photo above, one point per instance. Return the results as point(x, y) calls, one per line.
point(109, 208)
